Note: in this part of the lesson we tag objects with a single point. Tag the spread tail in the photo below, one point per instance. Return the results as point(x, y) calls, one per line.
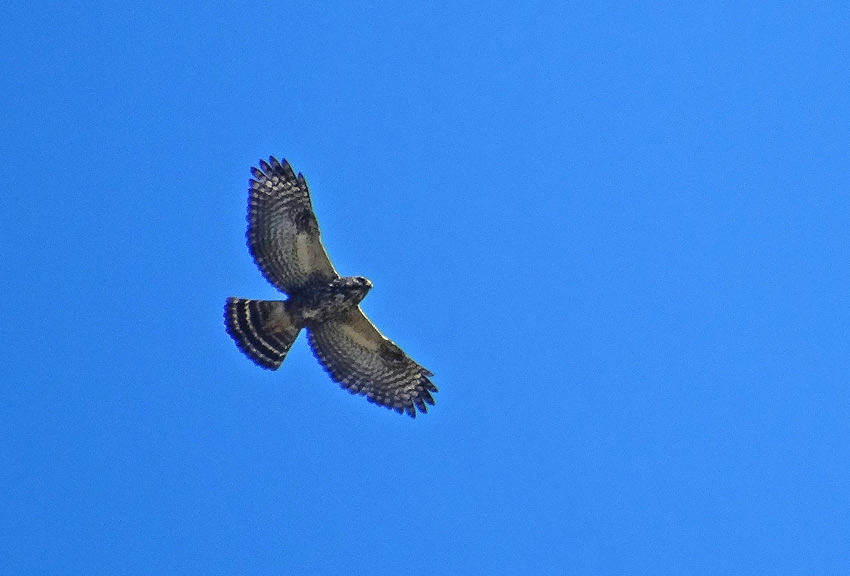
point(262, 329)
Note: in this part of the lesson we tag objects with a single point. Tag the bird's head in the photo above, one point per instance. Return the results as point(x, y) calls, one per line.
point(358, 287)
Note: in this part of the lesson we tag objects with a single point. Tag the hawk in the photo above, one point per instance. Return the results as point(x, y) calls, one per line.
point(283, 237)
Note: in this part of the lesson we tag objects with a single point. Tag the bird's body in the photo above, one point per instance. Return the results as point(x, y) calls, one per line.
point(324, 301)
point(283, 237)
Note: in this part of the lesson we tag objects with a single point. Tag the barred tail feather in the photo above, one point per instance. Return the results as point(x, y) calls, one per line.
point(262, 329)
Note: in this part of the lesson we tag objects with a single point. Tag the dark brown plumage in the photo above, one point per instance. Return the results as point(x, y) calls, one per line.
point(284, 239)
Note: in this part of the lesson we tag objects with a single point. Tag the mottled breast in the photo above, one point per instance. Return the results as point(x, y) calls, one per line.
point(320, 301)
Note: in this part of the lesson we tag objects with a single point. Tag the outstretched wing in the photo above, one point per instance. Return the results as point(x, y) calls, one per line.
point(283, 234)
point(361, 359)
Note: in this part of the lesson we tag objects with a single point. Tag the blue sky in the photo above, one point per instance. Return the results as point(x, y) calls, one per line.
point(616, 232)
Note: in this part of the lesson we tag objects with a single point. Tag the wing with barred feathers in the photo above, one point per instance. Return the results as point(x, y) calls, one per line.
point(362, 360)
point(283, 234)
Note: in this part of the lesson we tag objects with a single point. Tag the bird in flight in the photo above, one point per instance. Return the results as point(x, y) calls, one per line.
point(283, 237)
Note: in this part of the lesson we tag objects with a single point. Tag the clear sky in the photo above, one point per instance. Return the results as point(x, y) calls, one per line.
point(617, 232)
